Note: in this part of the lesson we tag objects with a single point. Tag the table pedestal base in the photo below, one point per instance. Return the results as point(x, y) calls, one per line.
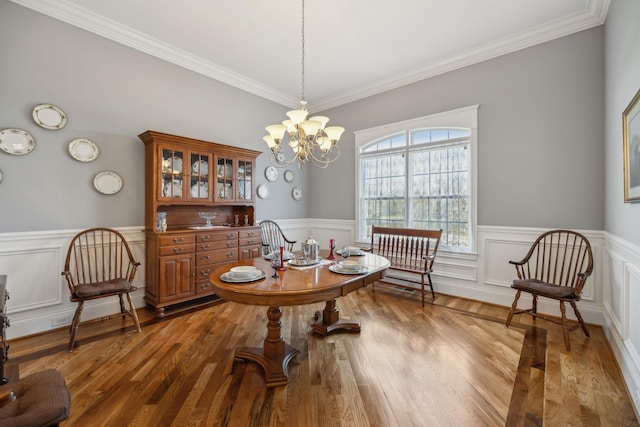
point(275, 355)
point(329, 320)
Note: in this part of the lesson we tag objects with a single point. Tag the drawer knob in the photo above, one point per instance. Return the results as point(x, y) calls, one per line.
point(180, 249)
point(230, 244)
point(204, 286)
point(231, 254)
point(205, 238)
point(176, 239)
point(204, 272)
point(230, 235)
point(205, 246)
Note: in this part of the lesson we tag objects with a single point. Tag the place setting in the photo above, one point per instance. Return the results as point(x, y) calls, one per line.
point(243, 274)
point(346, 266)
point(353, 251)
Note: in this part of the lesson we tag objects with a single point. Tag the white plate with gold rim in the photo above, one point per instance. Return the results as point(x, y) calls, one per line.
point(16, 141)
point(49, 116)
point(83, 150)
point(107, 182)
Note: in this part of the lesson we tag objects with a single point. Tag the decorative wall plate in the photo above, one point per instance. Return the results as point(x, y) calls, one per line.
point(107, 182)
point(288, 175)
point(49, 116)
point(271, 173)
point(296, 193)
point(83, 150)
point(263, 191)
point(16, 141)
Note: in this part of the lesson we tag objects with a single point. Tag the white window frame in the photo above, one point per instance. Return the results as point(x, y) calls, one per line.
point(466, 117)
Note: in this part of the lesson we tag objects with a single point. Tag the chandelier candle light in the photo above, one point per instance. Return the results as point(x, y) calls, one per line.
point(309, 139)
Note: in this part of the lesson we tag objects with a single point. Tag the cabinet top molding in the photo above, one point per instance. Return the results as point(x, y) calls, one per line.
point(150, 136)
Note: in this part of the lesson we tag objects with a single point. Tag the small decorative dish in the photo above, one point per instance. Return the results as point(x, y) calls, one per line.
point(83, 150)
point(263, 191)
point(16, 141)
point(296, 193)
point(49, 116)
point(271, 173)
point(288, 175)
point(107, 182)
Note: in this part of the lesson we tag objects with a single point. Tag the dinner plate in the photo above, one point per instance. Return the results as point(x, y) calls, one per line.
point(244, 276)
point(200, 190)
point(225, 277)
point(201, 167)
point(49, 116)
point(359, 252)
point(83, 150)
point(303, 262)
point(107, 182)
point(339, 270)
point(16, 141)
point(287, 256)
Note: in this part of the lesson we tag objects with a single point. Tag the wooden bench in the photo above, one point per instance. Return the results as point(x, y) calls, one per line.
point(408, 250)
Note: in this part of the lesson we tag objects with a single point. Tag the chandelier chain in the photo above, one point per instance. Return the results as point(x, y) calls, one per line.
point(302, 77)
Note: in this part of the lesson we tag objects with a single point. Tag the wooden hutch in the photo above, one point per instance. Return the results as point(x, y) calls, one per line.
point(184, 177)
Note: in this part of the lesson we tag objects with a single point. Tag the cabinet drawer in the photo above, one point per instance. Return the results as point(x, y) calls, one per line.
point(209, 257)
point(223, 244)
point(250, 241)
point(255, 233)
point(177, 239)
point(176, 249)
point(203, 287)
point(223, 255)
point(216, 236)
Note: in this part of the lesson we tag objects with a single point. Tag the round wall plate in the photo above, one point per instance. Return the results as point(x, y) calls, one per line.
point(296, 193)
point(271, 173)
point(263, 191)
point(107, 182)
point(288, 175)
point(49, 116)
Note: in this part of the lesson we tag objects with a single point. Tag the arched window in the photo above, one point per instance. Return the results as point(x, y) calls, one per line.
point(420, 174)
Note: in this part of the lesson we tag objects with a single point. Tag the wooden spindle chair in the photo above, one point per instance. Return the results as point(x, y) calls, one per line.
point(273, 238)
point(100, 264)
point(557, 267)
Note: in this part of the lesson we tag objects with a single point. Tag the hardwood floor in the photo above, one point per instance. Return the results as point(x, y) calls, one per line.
point(451, 363)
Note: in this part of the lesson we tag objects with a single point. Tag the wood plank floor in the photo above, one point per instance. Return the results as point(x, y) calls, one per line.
point(451, 363)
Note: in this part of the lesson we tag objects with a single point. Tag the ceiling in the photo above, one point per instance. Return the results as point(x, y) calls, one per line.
point(353, 48)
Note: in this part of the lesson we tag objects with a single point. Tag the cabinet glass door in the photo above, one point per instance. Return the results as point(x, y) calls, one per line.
point(244, 177)
point(224, 179)
point(199, 183)
point(171, 174)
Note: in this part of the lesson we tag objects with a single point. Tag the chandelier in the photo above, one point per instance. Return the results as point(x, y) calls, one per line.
point(309, 139)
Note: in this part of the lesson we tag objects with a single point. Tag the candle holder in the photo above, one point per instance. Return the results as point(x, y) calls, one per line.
point(332, 246)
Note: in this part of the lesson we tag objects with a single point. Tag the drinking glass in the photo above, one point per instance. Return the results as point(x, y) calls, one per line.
point(275, 263)
point(345, 252)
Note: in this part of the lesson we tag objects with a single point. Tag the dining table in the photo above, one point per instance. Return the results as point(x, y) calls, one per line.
point(299, 284)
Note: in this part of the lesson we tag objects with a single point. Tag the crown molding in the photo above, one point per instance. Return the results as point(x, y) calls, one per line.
point(593, 15)
point(85, 19)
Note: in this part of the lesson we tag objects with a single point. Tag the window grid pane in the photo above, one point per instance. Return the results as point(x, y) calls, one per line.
point(437, 185)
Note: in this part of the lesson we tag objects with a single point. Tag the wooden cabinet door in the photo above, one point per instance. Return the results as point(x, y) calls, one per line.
point(172, 161)
point(224, 174)
point(198, 176)
point(176, 277)
point(244, 179)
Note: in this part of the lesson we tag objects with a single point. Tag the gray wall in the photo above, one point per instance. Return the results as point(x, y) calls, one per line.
point(622, 35)
point(111, 94)
point(541, 121)
point(540, 134)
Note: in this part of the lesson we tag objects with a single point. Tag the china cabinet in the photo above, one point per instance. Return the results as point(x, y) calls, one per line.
point(195, 192)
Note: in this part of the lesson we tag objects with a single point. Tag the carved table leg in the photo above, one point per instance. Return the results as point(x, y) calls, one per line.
point(275, 355)
point(329, 320)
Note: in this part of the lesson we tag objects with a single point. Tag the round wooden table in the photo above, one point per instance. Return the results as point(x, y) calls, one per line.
point(294, 287)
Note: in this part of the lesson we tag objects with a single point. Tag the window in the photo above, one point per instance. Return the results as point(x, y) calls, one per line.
point(420, 174)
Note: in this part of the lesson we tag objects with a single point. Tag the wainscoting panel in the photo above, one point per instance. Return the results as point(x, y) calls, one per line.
point(621, 299)
point(39, 296)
